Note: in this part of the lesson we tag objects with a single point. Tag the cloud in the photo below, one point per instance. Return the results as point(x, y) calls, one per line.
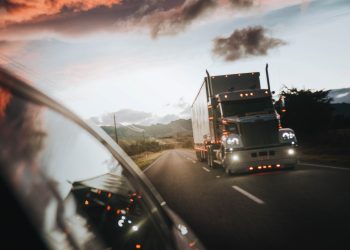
point(127, 117)
point(124, 116)
point(22, 19)
point(174, 20)
point(181, 104)
point(184, 107)
point(16, 11)
point(8, 49)
point(247, 42)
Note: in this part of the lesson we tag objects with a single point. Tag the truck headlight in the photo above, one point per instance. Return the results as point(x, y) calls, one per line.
point(235, 157)
point(287, 135)
point(233, 141)
point(291, 151)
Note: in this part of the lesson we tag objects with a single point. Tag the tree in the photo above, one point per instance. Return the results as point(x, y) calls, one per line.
point(307, 112)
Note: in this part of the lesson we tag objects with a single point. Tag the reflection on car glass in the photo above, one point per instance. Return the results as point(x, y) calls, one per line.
point(71, 186)
point(110, 205)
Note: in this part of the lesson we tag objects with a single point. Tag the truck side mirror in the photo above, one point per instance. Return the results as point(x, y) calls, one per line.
point(280, 105)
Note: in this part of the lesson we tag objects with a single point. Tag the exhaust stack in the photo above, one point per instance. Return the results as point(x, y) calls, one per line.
point(267, 77)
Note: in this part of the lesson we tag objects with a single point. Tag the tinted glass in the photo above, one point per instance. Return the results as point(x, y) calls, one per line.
point(247, 107)
point(75, 191)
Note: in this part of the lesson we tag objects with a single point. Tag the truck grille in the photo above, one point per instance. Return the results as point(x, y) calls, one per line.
point(259, 133)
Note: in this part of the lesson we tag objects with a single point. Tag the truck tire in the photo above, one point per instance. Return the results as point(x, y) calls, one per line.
point(210, 157)
point(198, 155)
point(228, 171)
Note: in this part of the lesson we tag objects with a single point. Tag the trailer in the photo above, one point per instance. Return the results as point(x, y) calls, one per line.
point(236, 126)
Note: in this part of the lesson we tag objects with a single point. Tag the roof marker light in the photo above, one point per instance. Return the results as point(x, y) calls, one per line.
point(241, 95)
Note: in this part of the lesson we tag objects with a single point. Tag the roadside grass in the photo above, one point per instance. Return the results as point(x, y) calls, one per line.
point(144, 159)
point(327, 156)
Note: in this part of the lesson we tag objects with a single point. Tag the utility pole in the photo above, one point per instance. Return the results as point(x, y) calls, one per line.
point(115, 130)
point(143, 134)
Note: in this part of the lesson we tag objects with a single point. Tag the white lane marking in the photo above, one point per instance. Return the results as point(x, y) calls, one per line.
point(194, 161)
point(146, 169)
point(249, 195)
point(206, 169)
point(323, 166)
point(218, 176)
point(163, 203)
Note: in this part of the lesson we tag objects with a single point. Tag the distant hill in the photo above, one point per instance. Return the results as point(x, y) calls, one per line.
point(181, 127)
point(340, 95)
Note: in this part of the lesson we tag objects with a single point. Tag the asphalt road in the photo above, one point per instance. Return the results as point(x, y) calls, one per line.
point(305, 208)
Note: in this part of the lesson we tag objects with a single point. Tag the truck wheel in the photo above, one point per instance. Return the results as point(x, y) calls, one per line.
point(226, 168)
point(198, 155)
point(210, 158)
point(209, 161)
point(228, 171)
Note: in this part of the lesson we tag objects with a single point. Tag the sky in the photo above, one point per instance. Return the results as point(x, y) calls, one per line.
point(145, 60)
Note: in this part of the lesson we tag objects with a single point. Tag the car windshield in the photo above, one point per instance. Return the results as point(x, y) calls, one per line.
point(247, 107)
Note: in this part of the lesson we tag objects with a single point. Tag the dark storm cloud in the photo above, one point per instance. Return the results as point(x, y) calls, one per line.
point(247, 42)
point(177, 19)
point(73, 19)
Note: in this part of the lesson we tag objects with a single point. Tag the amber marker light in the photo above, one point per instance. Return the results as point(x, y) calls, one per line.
point(138, 246)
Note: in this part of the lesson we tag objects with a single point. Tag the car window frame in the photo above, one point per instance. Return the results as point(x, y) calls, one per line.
point(18, 87)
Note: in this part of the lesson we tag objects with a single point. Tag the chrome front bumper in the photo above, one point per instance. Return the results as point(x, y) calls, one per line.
point(263, 158)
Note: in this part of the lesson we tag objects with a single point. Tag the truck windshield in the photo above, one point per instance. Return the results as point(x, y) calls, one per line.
point(247, 107)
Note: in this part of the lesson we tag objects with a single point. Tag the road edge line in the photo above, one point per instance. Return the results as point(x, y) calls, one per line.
point(323, 166)
point(151, 165)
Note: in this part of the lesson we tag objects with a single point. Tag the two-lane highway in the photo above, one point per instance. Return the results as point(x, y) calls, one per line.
point(305, 208)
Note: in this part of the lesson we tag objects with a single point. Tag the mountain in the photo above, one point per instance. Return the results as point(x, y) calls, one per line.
point(340, 95)
point(180, 127)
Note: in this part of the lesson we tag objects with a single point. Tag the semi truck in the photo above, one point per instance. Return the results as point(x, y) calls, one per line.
point(236, 125)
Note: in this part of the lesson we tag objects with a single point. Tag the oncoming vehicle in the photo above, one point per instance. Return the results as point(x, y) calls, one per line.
point(67, 185)
point(235, 125)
